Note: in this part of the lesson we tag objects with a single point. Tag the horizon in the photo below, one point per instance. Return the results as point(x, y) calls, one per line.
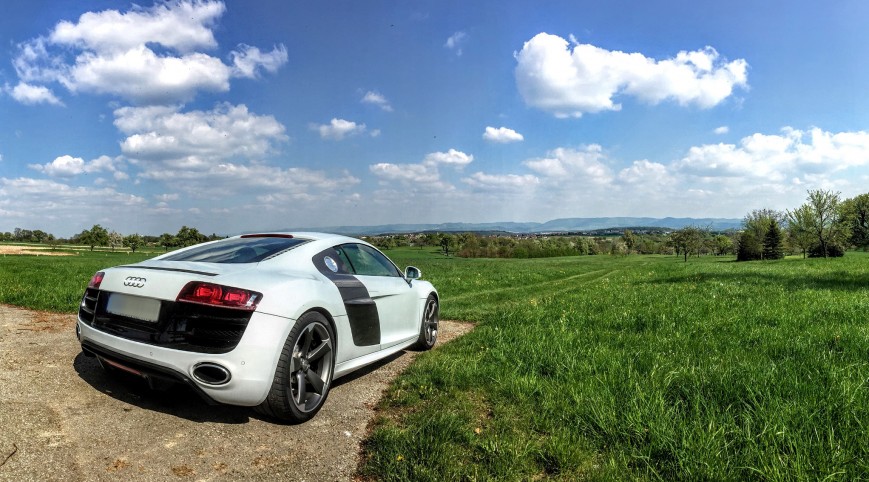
point(229, 116)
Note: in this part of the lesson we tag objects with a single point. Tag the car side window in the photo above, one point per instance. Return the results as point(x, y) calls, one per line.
point(367, 261)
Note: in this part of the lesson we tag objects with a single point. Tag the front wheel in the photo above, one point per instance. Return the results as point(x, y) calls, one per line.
point(304, 372)
point(428, 331)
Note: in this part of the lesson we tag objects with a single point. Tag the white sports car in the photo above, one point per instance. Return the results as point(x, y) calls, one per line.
point(262, 320)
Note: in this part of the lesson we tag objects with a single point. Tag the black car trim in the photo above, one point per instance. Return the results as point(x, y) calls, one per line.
point(179, 270)
point(151, 373)
point(361, 309)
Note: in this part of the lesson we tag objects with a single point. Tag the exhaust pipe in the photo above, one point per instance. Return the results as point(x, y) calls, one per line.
point(211, 374)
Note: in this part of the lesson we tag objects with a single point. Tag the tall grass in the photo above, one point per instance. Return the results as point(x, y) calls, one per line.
point(639, 368)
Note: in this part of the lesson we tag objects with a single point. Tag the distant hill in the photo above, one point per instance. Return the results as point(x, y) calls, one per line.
point(554, 226)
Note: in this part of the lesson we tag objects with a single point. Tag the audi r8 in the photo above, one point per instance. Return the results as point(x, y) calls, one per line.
point(261, 320)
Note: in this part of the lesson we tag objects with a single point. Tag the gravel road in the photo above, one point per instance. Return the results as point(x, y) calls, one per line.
point(63, 418)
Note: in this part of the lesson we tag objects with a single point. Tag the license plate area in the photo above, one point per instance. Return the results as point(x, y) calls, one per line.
point(135, 307)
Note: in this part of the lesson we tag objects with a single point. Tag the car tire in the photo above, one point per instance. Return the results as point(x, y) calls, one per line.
point(304, 371)
point(428, 330)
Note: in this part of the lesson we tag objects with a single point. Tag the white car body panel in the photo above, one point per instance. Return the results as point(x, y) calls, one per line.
point(291, 286)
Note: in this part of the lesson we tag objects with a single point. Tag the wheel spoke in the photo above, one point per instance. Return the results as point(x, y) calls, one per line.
point(316, 382)
point(301, 391)
point(321, 349)
point(308, 336)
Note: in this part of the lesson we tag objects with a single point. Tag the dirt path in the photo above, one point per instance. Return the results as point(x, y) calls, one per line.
point(62, 418)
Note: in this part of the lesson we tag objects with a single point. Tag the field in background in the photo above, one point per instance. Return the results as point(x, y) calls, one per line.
point(604, 367)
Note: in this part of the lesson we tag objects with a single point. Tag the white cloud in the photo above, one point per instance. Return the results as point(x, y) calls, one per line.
point(183, 26)
point(452, 157)
point(68, 166)
point(424, 176)
point(166, 197)
point(721, 130)
point(502, 135)
point(501, 181)
point(411, 173)
point(644, 173)
point(247, 60)
point(456, 41)
point(147, 55)
point(33, 94)
point(565, 165)
point(569, 81)
point(65, 207)
point(191, 140)
point(376, 98)
point(791, 154)
point(338, 129)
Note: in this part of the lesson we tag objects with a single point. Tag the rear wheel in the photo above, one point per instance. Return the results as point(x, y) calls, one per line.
point(304, 372)
point(428, 331)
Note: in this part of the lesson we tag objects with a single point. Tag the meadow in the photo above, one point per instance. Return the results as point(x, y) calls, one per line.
point(608, 368)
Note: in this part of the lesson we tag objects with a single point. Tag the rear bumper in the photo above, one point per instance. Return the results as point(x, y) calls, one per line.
point(251, 363)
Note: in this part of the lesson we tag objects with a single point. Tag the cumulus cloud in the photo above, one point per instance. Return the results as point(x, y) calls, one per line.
point(779, 157)
point(147, 55)
point(502, 135)
point(338, 129)
point(166, 137)
point(425, 174)
point(566, 165)
point(376, 98)
point(68, 166)
point(721, 130)
point(32, 94)
point(452, 157)
point(571, 80)
point(63, 204)
point(456, 41)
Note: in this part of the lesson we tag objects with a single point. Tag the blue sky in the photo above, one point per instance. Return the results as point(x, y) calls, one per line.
point(243, 116)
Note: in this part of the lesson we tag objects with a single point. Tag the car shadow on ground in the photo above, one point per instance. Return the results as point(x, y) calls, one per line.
point(180, 400)
point(177, 400)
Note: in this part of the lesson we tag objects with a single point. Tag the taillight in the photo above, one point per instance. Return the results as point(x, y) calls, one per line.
point(96, 280)
point(218, 295)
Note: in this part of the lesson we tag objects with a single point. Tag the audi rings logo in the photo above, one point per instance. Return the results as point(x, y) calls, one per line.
point(134, 282)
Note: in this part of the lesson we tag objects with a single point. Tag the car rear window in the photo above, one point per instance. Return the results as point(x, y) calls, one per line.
point(238, 250)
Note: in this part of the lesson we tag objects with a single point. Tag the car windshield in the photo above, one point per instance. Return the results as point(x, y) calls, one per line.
point(252, 249)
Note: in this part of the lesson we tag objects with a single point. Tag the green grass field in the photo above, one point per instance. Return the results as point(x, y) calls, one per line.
point(609, 368)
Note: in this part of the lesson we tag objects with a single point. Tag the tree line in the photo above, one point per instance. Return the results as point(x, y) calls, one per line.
point(100, 236)
point(824, 226)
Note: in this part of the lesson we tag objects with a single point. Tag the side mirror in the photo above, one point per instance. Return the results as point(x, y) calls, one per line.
point(412, 272)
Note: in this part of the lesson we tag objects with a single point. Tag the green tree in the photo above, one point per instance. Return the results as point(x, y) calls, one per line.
point(855, 213)
point(723, 244)
point(826, 219)
point(95, 236)
point(688, 240)
point(629, 239)
point(799, 228)
point(189, 236)
point(749, 247)
point(133, 241)
point(167, 241)
point(448, 243)
point(773, 245)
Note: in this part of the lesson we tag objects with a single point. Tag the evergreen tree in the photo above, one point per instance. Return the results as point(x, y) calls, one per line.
point(773, 247)
point(749, 247)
